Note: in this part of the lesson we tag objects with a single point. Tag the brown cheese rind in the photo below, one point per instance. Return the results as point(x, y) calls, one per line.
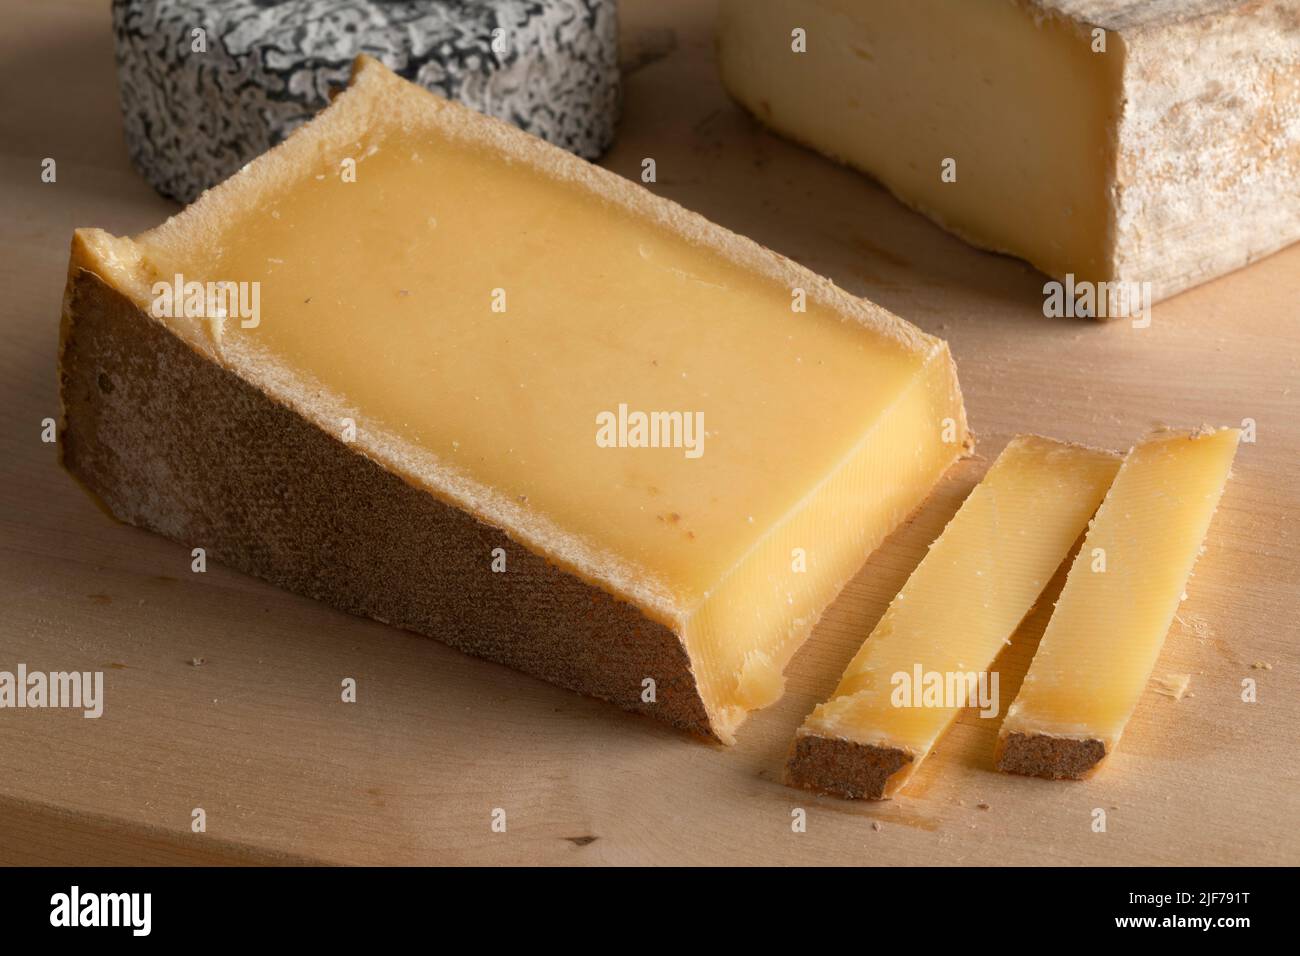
point(844, 768)
point(170, 441)
point(1044, 755)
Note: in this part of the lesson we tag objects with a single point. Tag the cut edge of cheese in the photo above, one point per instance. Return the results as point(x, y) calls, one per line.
point(852, 496)
point(958, 609)
point(1047, 204)
point(740, 682)
point(1048, 731)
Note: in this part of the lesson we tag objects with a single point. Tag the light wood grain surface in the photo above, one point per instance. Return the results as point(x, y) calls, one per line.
point(256, 735)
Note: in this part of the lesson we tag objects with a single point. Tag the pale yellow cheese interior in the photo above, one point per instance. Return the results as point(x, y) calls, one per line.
point(1124, 588)
point(823, 429)
point(967, 596)
point(1016, 97)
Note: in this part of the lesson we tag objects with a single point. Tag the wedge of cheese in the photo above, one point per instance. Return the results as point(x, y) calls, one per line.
point(1121, 596)
point(478, 388)
point(1118, 141)
point(931, 653)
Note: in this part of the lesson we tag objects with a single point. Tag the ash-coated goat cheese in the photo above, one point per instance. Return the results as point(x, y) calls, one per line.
point(206, 88)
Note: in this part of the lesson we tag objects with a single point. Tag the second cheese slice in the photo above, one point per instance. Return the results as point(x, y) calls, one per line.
point(956, 612)
point(1121, 597)
point(483, 390)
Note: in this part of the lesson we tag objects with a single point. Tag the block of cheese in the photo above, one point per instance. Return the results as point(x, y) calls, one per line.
point(1120, 597)
point(479, 388)
point(1112, 140)
point(206, 87)
point(926, 658)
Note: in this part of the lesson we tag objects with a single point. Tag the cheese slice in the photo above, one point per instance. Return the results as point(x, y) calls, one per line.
point(1070, 133)
point(1120, 597)
point(455, 322)
point(931, 652)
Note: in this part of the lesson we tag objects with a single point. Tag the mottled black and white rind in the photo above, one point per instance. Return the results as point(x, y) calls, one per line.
point(193, 118)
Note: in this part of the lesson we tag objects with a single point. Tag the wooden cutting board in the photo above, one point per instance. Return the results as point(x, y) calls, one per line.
point(223, 693)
